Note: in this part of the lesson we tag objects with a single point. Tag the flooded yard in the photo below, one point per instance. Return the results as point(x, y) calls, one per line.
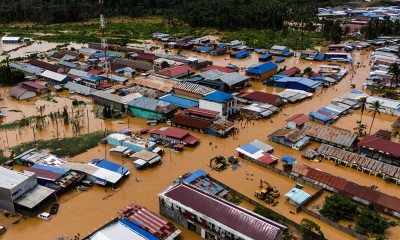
point(84, 212)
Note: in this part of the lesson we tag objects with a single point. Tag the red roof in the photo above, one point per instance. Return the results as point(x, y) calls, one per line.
point(191, 140)
point(147, 220)
point(215, 67)
point(182, 119)
point(380, 144)
point(147, 56)
point(260, 97)
point(95, 71)
point(45, 174)
point(170, 132)
point(291, 71)
point(176, 71)
point(17, 91)
point(34, 85)
point(362, 18)
point(326, 178)
point(299, 119)
point(267, 159)
point(202, 112)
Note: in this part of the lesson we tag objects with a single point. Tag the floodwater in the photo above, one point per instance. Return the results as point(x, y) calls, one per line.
point(82, 213)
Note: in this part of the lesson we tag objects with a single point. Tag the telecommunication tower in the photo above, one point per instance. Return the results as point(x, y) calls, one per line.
point(105, 62)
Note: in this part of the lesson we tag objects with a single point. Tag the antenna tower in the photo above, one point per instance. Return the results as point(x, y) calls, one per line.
point(105, 62)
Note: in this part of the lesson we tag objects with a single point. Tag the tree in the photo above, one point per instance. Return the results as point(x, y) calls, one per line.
point(308, 71)
point(363, 105)
point(360, 129)
point(394, 69)
point(337, 207)
point(372, 223)
point(375, 108)
point(336, 33)
point(307, 227)
point(164, 64)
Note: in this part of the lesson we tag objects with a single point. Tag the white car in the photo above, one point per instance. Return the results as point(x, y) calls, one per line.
point(45, 216)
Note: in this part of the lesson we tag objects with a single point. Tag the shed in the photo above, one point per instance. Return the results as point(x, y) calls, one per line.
point(179, 101)
point(54, 78)
point(151, 108)
point(265, 57)
point(289, 159)
point(177, 71)
point(296, 121)
point(21, 93)
point(298, 83)
point(261, 72)
point(297, 196)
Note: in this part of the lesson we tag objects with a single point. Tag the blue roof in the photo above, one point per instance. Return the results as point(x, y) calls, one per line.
point(297, 195)
point(262, 68)
point(104, 163)
point(266, 56)
point(132, 226)
point(330, 111)
point(178, 101)
point(319, 116)
point(218, 96)
point(250, 148)
point(304, 81)
point(319, 56)
point(205, 183)
point(195, 175)
point(357, 91)
point(51, 168)
point(194, 79)
point(206, 49)
point(279, 60)
point(288, 159)
point(92, 78)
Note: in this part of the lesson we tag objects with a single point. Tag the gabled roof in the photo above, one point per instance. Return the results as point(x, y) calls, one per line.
point(291, 71)
point(218, 96)
point(258, 96)
point(305, 81)
point(262, 68)
point(233, 78)
point(152, 105)
point(54, 76)
point(78, 88)
point(17, 91)
point(219, 68)
point(202, 112)
point(293, 135)
point(380, 144)
point(44, 65)
point(176, 71)
point(191, 121)
point(178, 101)
point(147, 56)
point(299, 119)
point(115, 97)
point(239, 219)
point(194, 88)
point(137, 65)
point(170, 132)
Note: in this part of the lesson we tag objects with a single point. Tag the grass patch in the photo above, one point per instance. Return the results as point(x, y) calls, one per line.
point(14, 110)
point(120, 30)
point(3, 158)
point(16, 124)
point(64, 147)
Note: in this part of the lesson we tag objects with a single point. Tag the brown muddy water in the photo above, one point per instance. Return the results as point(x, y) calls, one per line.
point(82, 213)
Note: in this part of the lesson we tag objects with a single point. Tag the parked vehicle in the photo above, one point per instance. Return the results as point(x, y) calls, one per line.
point(2, 230)
point(54, 208)
point(152, 122)
point(44, 215)
point(87, 183)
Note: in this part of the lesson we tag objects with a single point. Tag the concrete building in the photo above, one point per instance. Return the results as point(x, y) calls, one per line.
point(8, 39)
point(221, 102)
point(152, 108)
point(196, 210)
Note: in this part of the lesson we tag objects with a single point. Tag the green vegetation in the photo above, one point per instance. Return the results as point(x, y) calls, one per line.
point(375, 108)
point(64, 147)
point(337, 207)
point(267, 213)
point(3, 158)
point(235, 199)
point(10, 76)
point(377, 27)
point(16, 124)
point(371, 223)
point(308, 226)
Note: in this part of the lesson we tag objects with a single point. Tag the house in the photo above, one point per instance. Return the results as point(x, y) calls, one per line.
point(195, 209)
point(145, 158)
point(47, 174)
point(227, 82)
point(146, 57)
point(46, 66)
point(74, 87)
point(258, 110)
point(26, 68)
point(21, 93)
point(299, 83)
point(54, 78)
point(221, 128)
point(135, 65)
point(35, 156)
point(322, 117)
point(35, 87)
point(258, 152)
point(174, 134)
point(296, 121)
point(151, 108)
point(289, 137)
point(177, 71)
point(21, 193)
point(328, 134)
point(297, 196)
point(379, 148)
point(262, 97)
point(265, 57)
point(99, 175)
point(261, 72)
point(9, 39)
point(292, 95)
point(179, 101)
point(158, 83)
point(66, 55)
point(281, 51)
point(221, 102)
point(111, 166)
point(190, 122)
point(133, 143)
point(291, 72)
point(113, 100)
point(312, 55)
point(191, 90)
point(219, 68)
point(92, 81)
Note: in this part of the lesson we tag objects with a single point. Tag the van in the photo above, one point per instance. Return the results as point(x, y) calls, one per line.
point(152, 122)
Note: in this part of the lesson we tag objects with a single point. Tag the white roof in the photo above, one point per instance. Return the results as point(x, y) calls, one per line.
point(119, 149)
point(387, 103)
point(107, 175)
point(77, 72)
point(140, 162)
point(10, 178)
point(118, 136)
point(53, 76)
point(5, 38)
point(116, 231)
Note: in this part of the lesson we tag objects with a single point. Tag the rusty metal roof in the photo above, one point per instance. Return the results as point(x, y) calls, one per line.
point(330, 134)
point(293, 135)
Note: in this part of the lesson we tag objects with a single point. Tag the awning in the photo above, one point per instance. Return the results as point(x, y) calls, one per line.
point(190, 140)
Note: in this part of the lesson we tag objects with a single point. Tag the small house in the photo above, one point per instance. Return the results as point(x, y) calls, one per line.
point(192, 90)
point(149, 108)
point(46, 66)
point(221, 128)
point(174, 134)
point(113, 100)
point(145, 158)
point(297, 196)
point(146, 57)
point(9, 39)
point(281, 51)
point(190, 122)
point(111, 166)
point(179, 101)
point(265, 57)
point(296, 121)
point(92, 81)
point(221, 102)
point(21, 93)
point(177, 72)
point(289, 137)
point(54, 78)
point(262, 71)
point(262, 97)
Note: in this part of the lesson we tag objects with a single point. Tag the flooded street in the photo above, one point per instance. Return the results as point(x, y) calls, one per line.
point(84, 212)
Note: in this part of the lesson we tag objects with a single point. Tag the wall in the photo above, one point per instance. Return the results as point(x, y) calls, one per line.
point(144, 113)
point(211, 106)
point(186, 93)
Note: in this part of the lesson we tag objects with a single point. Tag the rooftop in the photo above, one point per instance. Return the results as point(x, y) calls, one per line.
point(176, 71)
point(170, 132)
point(10, 178)
point(380, 144)
point(258, 96)
point(299, 119)
point(218, 96)
point(178, 101)
point(152, 105)
point(34, 196)
point(262, 68)
point(194, 88)
point(297, 195)
point(157, 83)
point(293, 135)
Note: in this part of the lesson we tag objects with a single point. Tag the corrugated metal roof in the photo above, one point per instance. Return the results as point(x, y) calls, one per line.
point(34, 196)
point(238, 219)
point(152, 105)
point(10, 178)
point(194, 88)
point(117, 231)
point(170, 132)
point(53, 76)
point(297, 195)
point(104, 163)
point(191, 121)
point(380, 144)
point(17, 91)
point(218, 96)
point(115, 97)
point(79, 88)
point(258, 96)
point(157, 83)
point(305, 81)
point(44, 65)
point(330, 134)
point(178, 101)
point(293, 135)
point(233, 78)
point(262, 68)
point(176, 71)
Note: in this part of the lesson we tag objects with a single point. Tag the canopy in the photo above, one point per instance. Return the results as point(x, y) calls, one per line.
point(289, 159)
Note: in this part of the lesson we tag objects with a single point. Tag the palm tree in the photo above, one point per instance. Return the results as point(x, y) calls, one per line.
point(375, 109)
point(363, 106)
point(394, 69)
point(360, 129)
